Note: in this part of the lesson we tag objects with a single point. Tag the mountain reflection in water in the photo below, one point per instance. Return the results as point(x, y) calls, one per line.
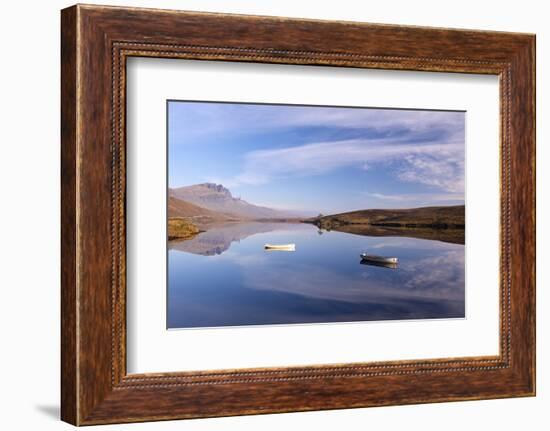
point(223, 277)
point(218, 239)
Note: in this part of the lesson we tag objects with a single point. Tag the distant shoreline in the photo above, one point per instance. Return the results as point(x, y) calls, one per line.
point(214, 205)
point(443, 223)
point(440, 217)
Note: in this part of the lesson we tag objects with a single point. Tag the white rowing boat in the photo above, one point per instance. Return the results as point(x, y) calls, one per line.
point(379, 259)
point(280, 247)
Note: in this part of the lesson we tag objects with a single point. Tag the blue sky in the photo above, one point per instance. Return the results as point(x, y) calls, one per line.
point(319, 159)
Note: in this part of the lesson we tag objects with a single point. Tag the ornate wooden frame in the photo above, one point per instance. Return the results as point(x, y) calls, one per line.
point(96, 41)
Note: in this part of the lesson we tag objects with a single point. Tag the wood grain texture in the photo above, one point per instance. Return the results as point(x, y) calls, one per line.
point(69, 366)
point(96, 41)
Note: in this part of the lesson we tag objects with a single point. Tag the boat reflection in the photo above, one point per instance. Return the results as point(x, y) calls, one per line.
point(389, 265)
point(223, 277)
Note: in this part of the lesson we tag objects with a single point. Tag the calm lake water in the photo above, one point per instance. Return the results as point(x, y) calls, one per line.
point(224, 277)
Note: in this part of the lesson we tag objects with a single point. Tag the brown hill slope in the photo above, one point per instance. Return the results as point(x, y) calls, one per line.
point(178, 208)
point(436, 223)
point(448, 217)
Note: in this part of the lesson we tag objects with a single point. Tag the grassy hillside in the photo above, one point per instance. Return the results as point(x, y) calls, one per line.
point(437, 223)
point(449, 217)
point(181, 228)
point(178, 208)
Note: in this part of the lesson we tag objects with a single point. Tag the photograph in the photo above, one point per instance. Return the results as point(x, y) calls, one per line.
point(282, 214)
point(303, 214)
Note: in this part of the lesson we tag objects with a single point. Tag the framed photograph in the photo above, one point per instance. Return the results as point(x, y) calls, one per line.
point(263, 214)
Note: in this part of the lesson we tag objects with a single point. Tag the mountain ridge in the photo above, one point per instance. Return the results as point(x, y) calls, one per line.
point(217, 198)
point(200, 216)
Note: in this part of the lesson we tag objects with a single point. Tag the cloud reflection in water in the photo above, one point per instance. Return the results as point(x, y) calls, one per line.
point(322, 281)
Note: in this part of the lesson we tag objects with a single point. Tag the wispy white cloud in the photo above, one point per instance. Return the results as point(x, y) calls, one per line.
point(418, 197)
point(444, 170)
point(418, 284)
point(418, 147)
point(201, 119)
point(438, 164)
